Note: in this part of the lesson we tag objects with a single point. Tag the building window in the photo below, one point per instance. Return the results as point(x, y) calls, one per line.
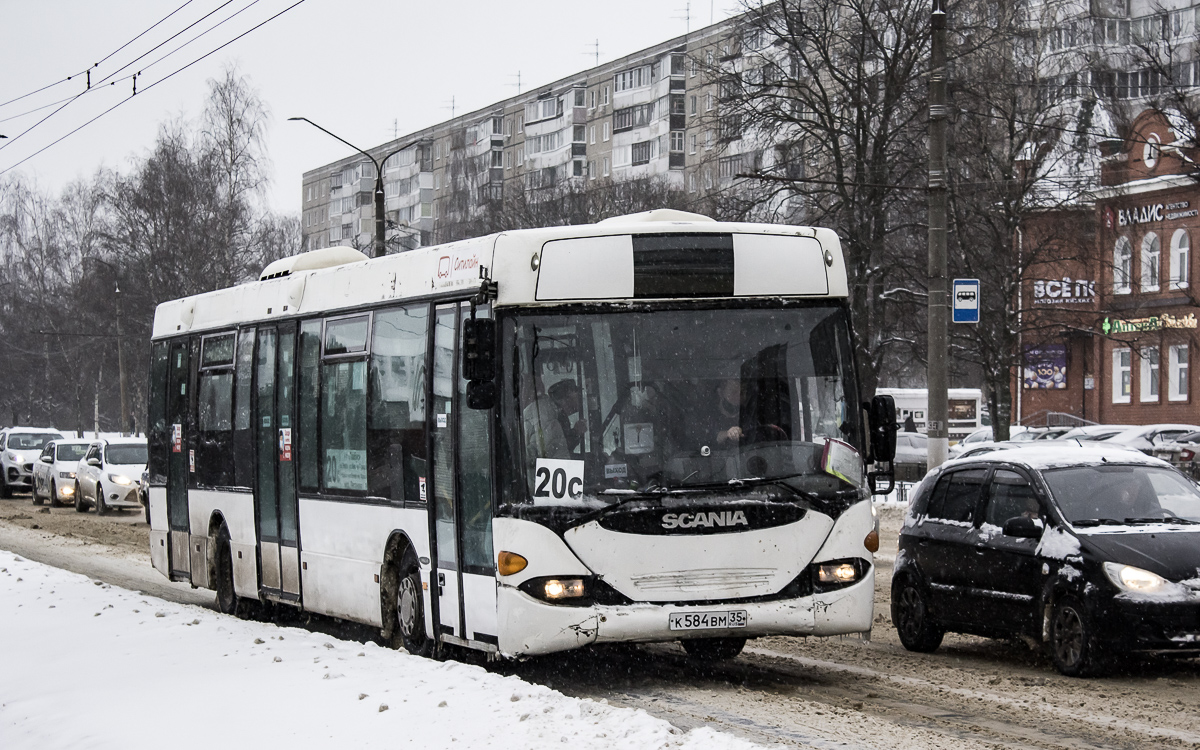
point(693, 105)
point(1151, 251)
point(606, 166)
point(1122, 376)
point(521, 123)
point(606, 131)
point(1177, 373)
point(577, 134)
point(1122, 266)
point(579, 94)
point(693, 148)
point(1149, 374)
point(591, 100)
point(520, 156)
point(641, 153)
point(591, 170)
point(692, 70)
point(677, 141)
point(508, 160)
point(708, 182)
point(592, 135)
point(1180, 247)
point(692, 182)
point(708, 102)
point(707, 140)
point(604, 98)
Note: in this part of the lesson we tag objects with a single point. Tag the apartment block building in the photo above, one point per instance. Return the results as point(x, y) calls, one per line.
point(650, 114)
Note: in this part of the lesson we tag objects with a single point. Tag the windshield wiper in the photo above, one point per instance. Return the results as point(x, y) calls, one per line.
point(1161, 519)
point(739, 482)
point(1097, 522)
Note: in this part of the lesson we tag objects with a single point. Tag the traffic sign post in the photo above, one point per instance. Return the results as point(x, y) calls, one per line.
point(965, 297)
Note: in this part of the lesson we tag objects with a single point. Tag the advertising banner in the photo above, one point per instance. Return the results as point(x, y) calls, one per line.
point(1046, 366)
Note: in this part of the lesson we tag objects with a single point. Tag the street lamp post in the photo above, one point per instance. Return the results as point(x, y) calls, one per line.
point(126, 429)
point(380, 237)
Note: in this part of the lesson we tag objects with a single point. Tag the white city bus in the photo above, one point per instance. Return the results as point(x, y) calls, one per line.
point(661, 439)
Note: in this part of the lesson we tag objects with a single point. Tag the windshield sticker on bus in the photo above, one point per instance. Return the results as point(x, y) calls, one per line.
point(346, 469)
point(192, 461)
point(842, 461)
point(285, 444)
point(639, 438)
point(616, 471)
point(421, 484)
point(556, 480)
point(443, 420)
point(176, 438)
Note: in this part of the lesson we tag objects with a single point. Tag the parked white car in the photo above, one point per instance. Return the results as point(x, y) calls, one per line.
point(109, 475)
point(54, 471)
point(1148, 437)
point(19, 448)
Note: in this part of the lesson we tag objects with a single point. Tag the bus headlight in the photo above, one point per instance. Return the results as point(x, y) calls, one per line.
point(837, 573)
point(571, 591)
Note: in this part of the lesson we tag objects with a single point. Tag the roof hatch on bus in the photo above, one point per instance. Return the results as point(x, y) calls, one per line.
point(326, 257)
point(692, 264)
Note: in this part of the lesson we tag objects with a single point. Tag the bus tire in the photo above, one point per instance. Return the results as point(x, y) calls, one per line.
point(409, 605)
point(227, 599)
point(714, 649)
point(80, 506)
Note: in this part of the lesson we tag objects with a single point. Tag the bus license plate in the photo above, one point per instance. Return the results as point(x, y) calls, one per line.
point(707, 620)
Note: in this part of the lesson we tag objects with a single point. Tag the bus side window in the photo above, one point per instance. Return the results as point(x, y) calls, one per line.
point(309, 392)
point(158, 432)
point(475, 478)
point(214, 446)
point(243, 404)
point(396, 448)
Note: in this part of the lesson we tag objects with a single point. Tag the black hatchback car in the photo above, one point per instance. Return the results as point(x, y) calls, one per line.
point(1090, 551)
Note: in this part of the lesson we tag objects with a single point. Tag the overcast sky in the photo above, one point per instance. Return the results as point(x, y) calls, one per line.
point(364, 69)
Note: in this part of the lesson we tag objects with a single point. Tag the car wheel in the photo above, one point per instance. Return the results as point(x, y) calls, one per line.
point(80, 506)
point(714, 649)
point(5, 489)
point(1072, 640)
point(54, 502)
point(410, 611)
point(101, 508)
point(33, 493)
point(910, 613)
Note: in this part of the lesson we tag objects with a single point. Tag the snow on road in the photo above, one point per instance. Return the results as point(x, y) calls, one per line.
point(88, 665)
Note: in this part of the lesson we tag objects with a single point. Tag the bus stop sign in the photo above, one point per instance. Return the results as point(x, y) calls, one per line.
point(966, 300)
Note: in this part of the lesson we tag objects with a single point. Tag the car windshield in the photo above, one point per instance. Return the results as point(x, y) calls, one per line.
point(70, 451)
point(654, 400)
point(1122, 494)
point(24, 441)
point(125, 455)
point(1026, 436)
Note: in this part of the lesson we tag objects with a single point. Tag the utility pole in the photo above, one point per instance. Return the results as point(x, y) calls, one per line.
point(938, 407)
point(380, 229)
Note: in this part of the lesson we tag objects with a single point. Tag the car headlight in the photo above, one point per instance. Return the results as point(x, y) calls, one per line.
point(16, 457)
point(119, 479)
point(66, 475)
point(1129, 578)
point(67, 489)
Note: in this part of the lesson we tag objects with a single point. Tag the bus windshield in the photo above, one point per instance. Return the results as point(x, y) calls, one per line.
point(601, 402)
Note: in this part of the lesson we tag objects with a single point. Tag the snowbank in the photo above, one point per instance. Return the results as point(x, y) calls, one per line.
point(84, 664)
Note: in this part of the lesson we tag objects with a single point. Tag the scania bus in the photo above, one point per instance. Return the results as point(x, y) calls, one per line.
point(646, 429)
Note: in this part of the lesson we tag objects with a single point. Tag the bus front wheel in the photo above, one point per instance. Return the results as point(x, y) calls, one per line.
point(410, 611)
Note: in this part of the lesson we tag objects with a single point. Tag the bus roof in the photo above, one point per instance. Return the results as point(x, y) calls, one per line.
point(637, 257)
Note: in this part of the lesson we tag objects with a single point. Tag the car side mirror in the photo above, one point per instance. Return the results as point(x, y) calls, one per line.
point(1024, 527)
point(93, 461)
point(46, 459)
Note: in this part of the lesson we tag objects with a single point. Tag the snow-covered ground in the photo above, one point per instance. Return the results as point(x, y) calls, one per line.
point(88, 665)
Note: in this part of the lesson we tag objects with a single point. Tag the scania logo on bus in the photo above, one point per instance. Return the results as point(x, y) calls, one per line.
point(706, 520)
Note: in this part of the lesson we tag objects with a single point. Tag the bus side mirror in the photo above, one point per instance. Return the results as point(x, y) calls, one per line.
point(881, 419)
point(883, 429)
point(479, 362)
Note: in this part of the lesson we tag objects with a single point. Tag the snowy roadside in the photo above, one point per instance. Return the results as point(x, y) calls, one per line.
point(86, 664)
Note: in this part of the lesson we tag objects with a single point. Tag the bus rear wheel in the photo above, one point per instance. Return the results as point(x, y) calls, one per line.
point(410, 611)
point(714, 649)
point(227, 598)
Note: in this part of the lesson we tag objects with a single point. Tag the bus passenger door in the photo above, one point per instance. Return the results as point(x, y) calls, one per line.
point(275, 488)
point(462, 493)
point(178, 413)
point(446, 582)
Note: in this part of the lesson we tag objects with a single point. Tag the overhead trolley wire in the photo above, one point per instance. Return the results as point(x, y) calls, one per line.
point(103, 59)
point(161, 80)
